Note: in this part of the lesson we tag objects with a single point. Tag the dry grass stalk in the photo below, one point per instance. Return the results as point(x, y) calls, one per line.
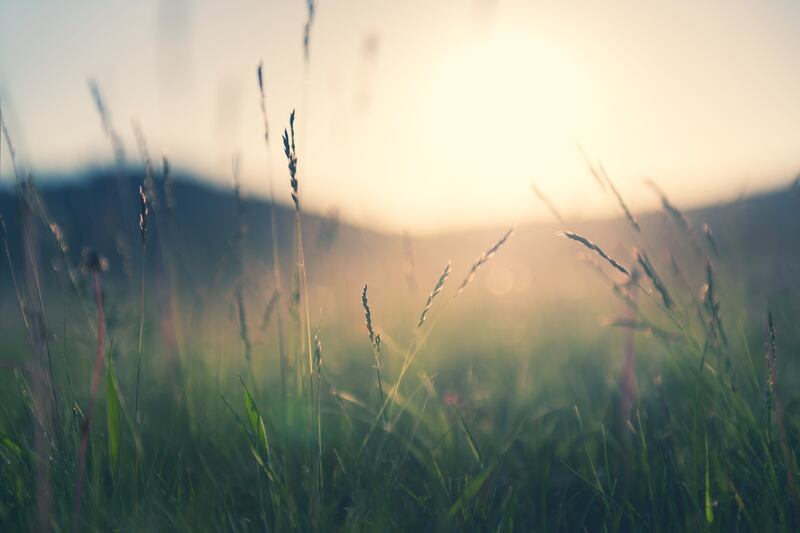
point(318, 356)
point(317, 415)
point(238, 251)
point(627, 382)
point(105, 120)
point(650, 272)
point(592, 169)
point(263, 100)
point(712, 304)
point(291, 157)
point(375, 341)
point(367, 315)
point(485, 256)
point(269, 310)
point(623, 291)
point(243, 331)
point(771, 358)
point(12, 270)
point(604, 180)
point(276, 265)
point(318, 369)
point(169, 252)
point(411, 354)
point(144, 212)
point(124, 215)
point(774, 403)
point(149, 173)
point(548, 204)
point(620, 201)
point(307, 29)
point(596, 249)
point(305, 340)
point(43, 394)
point(36, 206)
point(712, 242)
point(674, 213)
point(93, 265)
point(12, 154)
point(432, 296)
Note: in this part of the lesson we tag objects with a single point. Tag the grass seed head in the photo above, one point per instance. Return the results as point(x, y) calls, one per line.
point(650, 272)
point(291, 157)
point(483, 259)
point(263, 100)
point(596, 249)
point(317, 355)
point(432, 296)
point(367, 316)
point(772, 355)
point(144, 211)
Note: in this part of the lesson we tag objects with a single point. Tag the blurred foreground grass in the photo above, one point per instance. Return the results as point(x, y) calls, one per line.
point(541, 433)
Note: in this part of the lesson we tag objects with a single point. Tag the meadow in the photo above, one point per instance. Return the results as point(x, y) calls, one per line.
point(177, 358)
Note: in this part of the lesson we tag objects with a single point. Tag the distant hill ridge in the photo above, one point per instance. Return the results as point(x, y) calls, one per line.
point(101, 211)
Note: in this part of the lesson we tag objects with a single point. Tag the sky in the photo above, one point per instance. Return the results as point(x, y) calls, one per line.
point(418, 115)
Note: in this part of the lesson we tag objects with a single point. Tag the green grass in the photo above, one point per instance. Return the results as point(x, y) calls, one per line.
point(676, 418)
point(528, 436)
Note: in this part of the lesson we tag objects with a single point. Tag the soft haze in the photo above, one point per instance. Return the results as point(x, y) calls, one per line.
point(420, 115)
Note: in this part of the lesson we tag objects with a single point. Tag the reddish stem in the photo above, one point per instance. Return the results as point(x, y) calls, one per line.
point(98, 365)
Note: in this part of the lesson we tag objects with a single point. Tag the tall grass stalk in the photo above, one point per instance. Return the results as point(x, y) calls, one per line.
point(305, 343)
point(548, 204)
point(604, 180)
point(144, 212)
point(162, 212)
point(775, 404)
point(93, 265)
point(305, 321)
point(596, 249)
point(124, 216)
point(273, 226)
point(12, 155)
point(44, 394)
point(317, 417)
point(239, 253)
point(375, 343)
point(413, 349)
point(12, 271)
point(488, 254)
point(620, 201)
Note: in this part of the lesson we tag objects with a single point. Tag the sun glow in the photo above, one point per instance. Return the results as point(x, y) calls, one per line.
point(503, 109)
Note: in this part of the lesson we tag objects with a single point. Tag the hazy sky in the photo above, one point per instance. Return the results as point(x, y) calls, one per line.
point(420, 115)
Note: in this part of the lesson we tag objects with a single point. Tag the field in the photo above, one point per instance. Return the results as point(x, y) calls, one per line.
point(232, 365)
point(231, 317)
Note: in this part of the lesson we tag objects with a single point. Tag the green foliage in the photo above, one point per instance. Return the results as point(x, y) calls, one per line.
point(491, 419)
